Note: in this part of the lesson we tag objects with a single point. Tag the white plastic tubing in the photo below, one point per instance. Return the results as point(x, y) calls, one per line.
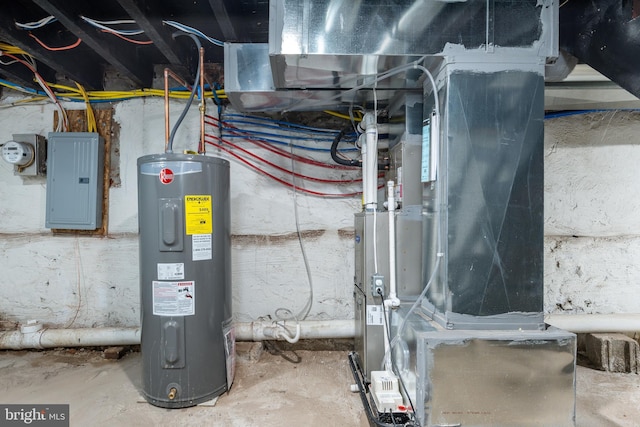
point(592, 323)
point(92, 337)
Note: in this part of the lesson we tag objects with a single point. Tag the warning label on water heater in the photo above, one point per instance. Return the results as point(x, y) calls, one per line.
point(201, 247)
point(174, 298)
point(170, 271)
point(198, 218)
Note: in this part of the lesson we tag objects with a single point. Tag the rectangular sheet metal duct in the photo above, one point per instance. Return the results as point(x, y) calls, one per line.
point(337, 43)
point(488, 198)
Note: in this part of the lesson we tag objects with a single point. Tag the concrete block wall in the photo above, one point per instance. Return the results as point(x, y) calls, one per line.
point(592, 213)
point(592, 192)
point(78, 281)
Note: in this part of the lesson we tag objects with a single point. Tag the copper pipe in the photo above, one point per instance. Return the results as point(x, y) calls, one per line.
point(167, 73)
point(166, 109)
point(203, 107)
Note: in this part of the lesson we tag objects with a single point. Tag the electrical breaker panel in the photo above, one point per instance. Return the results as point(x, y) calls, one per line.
point(75, 169)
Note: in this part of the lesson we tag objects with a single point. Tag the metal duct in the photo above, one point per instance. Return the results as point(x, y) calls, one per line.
point(249, 85)
point(320, 50)
point(338, 43)
point(488, 198)
point(606, 35)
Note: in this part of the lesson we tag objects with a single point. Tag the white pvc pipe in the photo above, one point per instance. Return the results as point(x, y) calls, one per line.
point(370, 161)
point(364, 149)
point(592, 323)
point(99, 337)
point(264, 330)
point(85, 337)
point(309, 329)
point(391, 206)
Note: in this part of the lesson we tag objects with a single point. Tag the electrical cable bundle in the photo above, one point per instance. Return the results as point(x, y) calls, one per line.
point(68, 93)
point(251, 159)
point(28, 61)
point(124, 34)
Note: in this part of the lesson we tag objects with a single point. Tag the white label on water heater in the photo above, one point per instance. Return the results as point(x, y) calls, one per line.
point(170, 271)
point(375, 315)
point(174, 298)
point(201, 247)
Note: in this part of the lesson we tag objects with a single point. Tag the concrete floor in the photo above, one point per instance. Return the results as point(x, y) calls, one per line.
point(269, 390)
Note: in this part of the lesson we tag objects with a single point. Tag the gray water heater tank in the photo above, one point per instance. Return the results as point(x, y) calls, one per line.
point(188, 344)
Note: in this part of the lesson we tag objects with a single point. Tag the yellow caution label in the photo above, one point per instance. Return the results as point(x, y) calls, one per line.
point(198, 214)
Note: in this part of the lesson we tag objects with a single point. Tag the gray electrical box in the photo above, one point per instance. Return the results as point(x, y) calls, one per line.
point(75, 168)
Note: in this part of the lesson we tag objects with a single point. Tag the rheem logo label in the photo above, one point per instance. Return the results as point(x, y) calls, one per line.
point(166, 176)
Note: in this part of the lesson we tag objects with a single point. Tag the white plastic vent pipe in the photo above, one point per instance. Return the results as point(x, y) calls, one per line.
point(41, 338)
point(369, 152)
point(592, 323)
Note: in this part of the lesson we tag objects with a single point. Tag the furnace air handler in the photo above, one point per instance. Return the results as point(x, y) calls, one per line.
point(185, 278)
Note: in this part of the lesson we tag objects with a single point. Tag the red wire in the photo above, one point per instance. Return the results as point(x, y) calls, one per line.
point(145, 42)
point(280, 168)
point(281, 181)
point(281, 152)
point(47, 89)
point(55, 49)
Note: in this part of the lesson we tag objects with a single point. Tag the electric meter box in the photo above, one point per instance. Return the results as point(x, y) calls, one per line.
point(75, 169)
point(27, 152)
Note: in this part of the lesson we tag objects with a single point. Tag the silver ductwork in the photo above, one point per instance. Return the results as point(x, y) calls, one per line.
point(320, 50)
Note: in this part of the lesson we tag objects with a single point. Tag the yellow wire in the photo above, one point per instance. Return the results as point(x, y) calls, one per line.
point(92, 126)
point(137, 93)
point(36, 98)
point(12, 50)
point(72, 93)
point(341, 116)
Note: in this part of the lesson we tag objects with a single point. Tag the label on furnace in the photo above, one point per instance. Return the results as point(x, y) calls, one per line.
point(426, 154)
point(375, 315)
point(174, 298)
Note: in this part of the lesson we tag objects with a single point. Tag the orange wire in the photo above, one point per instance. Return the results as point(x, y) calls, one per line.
point(46, 88)
point(71, 46)
point(127, 39)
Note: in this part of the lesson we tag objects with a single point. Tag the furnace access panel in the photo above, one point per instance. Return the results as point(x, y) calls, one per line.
point(75, 168)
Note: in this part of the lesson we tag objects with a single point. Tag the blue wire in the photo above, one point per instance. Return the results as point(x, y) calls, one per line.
point(293, 125)
point(275, 141)
point(214, 90)
point(22, 88)
point(194, 31)
point(326, 135)
point(51, 19)
point(279, 127)
point(577, 112)
point(256, 132)
point(570, 113)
